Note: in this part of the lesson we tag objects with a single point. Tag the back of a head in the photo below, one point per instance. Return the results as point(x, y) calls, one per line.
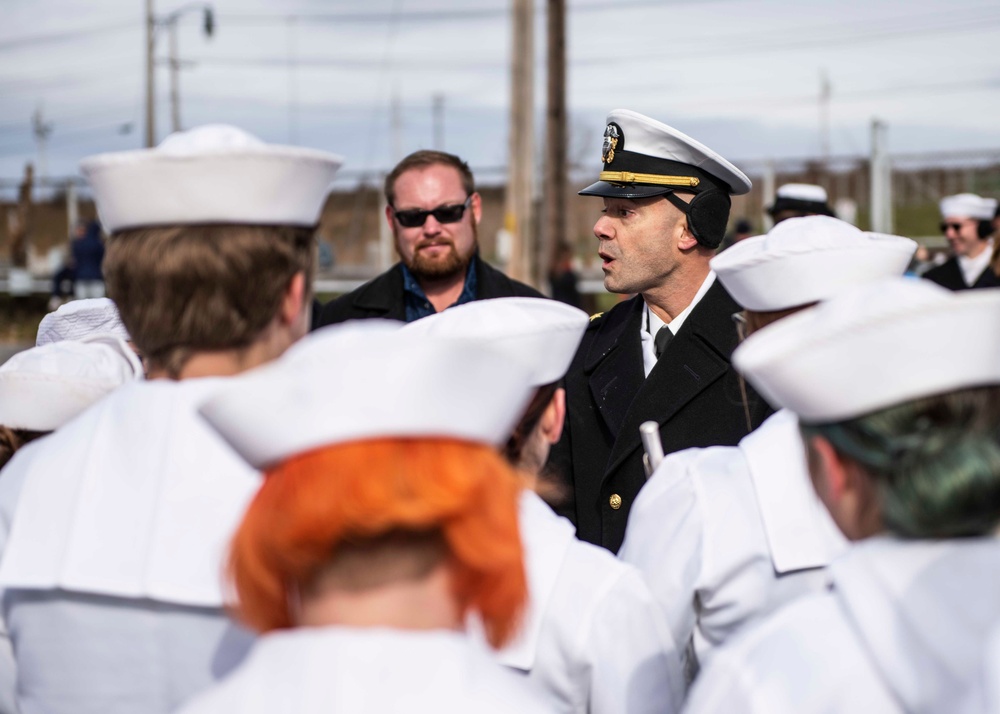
point(206, 233)
point(380, 440)
point(804, 260)
point(921, 417)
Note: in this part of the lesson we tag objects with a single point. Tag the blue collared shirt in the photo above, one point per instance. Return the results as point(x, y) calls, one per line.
point(417, 304)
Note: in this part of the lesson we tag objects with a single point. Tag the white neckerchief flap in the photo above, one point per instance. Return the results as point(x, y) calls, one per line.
point(137, 498)
point(800, 532)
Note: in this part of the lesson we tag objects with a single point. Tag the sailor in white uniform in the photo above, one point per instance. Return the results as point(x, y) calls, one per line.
point(903, 447)
point(727, 534)
point(112, 535)
point(386, 521)
point(594, 639)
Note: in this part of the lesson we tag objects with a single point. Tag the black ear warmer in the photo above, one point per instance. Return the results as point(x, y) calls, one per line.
point(708, 214)
point(984, 229)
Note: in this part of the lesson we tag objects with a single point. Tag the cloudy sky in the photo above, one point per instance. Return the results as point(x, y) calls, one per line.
point(743, 76)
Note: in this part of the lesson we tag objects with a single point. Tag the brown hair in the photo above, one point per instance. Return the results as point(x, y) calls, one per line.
point(330, 502)
point(422, 160)
point(183, 289)
point(759, 320)
point(514, 447)
point(13, 439)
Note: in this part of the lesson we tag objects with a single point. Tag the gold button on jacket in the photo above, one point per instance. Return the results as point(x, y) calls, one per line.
point(615, 501)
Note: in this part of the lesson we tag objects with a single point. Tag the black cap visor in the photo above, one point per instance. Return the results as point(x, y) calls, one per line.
point(627, 190)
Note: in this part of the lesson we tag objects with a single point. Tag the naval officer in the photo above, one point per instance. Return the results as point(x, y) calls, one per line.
point(664, 354)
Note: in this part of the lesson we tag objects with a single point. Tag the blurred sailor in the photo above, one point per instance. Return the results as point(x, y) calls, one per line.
point(664, 354)
point(903, 448)
point(386, 520)
point(118, 526)
point(795, 200)
point(594, 638)
point(727, 534)
point(967, 224)
point(433, 210)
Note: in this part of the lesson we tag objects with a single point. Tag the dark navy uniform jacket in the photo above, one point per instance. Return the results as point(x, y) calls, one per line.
point(693, 393)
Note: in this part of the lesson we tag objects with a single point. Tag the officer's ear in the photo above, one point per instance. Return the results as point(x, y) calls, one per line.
point(686, 240)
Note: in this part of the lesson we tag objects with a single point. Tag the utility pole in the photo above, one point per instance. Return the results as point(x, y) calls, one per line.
point(293, 89)
point(518, 214)
point(150, 76)
point(554, 185)
point(824, 116)
point(175, 71)
point(437, 111)
point(42, 130)
point(880, 210)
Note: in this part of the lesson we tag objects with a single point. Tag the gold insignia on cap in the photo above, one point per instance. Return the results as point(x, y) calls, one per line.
point(611, 137)
point(658, 179)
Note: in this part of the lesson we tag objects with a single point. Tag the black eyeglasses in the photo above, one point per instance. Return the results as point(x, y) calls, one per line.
point(954, 226)
point(740, 321)
point(442, 214)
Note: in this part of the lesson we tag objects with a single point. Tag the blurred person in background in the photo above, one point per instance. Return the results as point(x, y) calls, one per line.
point(967, 224)
point(88, 255)
point(795, 200)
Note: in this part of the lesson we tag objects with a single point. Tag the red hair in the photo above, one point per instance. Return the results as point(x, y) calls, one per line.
point(315, 501)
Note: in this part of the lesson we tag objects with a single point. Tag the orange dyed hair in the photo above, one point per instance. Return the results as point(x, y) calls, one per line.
point(313, 502)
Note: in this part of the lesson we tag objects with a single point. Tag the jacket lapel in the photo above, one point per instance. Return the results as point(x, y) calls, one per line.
point(383, 296)
point(696, 358)
point(614, 367)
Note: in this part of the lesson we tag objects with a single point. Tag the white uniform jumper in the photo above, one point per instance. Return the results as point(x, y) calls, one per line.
point(726, 534)
point(113, 533)
point(329, 670)
point(594, 638)
point(905, 628)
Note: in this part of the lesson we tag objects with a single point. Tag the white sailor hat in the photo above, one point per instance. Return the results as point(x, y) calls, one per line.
point(804, 197)
point(541, 334)
point(44, 387)
point(365, 380)
point(82, 318)
point(804, 260)
point(643, 157)
point(212, 174)
point(968, 205)
point(875, 346)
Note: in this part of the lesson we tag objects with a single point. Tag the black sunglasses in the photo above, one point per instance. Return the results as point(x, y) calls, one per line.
point(954, 226)
point(442, 214)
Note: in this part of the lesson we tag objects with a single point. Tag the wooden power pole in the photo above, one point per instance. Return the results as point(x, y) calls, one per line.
point(554, 187)
point(150, 76)
point(518, 220)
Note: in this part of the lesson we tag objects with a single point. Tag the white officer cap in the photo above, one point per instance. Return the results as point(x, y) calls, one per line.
point(803, 260)
point(805, 197)
point(82, 318)
point(875, 346)
point(212, 174)
point(365, 380)
point(968, 205)
point(541, 334)
point(643, 157)
point(44, 387)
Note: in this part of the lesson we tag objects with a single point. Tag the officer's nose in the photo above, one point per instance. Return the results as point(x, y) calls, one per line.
point(603, 229)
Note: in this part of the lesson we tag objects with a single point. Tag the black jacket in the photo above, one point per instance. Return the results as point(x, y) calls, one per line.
point(949, 275)
point(693, 393)
point(383, 295)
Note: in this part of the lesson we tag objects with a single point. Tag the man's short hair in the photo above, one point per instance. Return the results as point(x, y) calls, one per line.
point(423, 159)
point(184, 289)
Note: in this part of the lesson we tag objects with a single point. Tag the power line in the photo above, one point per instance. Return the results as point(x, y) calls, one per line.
point(52, 38)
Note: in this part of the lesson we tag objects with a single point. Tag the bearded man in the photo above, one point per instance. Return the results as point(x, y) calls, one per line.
point(433, 210)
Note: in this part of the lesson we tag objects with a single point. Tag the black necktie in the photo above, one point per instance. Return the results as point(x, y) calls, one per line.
point(662, 339)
